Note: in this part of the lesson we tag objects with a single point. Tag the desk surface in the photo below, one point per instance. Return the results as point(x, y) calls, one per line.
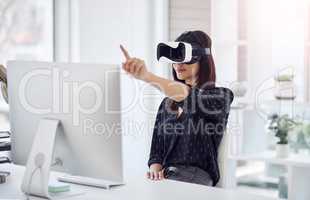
point(134, 189)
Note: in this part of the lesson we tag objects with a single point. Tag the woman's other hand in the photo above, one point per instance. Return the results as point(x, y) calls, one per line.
point(156, 172)
point(134, 66)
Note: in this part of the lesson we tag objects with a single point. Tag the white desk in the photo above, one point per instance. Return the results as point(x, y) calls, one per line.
point(138, 188)
point(298, 171)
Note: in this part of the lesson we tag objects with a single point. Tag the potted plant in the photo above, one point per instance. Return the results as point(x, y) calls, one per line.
point(306, 132)
point(298, 141)
point(281, 126)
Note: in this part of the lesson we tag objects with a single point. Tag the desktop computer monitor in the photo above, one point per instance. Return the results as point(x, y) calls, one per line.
point(85, 98)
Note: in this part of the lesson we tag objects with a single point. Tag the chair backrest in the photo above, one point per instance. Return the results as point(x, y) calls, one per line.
point(222, 159)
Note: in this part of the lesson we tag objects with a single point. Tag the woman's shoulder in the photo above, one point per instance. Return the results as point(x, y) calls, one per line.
point(216, 94)
point(164, 102)
point(215, 90)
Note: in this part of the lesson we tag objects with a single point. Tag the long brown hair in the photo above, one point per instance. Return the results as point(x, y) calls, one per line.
point(206, 74)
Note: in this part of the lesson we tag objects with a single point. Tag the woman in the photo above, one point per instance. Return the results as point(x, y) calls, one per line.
point(190, 121)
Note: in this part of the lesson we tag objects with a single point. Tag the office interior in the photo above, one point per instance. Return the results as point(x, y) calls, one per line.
point(261, 50)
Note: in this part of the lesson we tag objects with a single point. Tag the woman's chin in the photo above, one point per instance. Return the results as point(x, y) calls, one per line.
point(181, 77)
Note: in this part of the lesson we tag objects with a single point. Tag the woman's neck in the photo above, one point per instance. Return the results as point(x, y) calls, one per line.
point(191, 82)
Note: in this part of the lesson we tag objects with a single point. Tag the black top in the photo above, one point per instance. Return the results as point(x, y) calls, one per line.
point(193, 137)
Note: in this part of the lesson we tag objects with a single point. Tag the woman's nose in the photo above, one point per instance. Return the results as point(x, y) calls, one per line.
point(178, 64)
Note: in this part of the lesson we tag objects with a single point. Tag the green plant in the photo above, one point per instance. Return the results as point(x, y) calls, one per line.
point(306, 133)
point(306, 129)
point(284, 77)
point(280, 126)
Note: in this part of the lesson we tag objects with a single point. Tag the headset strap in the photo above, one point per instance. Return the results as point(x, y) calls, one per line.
point(201, 51)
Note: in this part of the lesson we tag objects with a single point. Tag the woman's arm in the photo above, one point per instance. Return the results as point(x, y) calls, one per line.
point(172, 89)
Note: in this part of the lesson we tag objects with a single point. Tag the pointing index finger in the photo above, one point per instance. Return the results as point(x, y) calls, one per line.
point(125, 52)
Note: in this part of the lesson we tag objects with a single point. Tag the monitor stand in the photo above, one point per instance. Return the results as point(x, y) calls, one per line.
point(37, 173)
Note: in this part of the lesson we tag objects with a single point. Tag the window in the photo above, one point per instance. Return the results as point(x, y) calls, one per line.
point(242, 48)
point(26, 30)
point(307, 56)
point(189, 15)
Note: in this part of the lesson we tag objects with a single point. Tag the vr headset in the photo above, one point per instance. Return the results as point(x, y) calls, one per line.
point(180, 52)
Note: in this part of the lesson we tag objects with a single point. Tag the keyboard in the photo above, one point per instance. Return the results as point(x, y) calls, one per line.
point(105, 184)
point(64, 195)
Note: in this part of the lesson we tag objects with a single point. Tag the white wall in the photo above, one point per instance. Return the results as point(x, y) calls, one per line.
point(224, 35)
point(276, 41)
point(288, 41)
point(259, 48)
point(93, 34)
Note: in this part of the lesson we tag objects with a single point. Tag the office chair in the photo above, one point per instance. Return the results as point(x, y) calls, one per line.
point(227, 166)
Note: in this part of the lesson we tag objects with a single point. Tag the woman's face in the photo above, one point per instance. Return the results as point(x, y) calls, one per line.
point(186, 72)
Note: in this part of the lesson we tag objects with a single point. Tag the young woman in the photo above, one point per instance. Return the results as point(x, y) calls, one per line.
point(191, 119)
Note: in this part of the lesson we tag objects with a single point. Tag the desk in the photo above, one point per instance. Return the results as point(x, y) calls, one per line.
point(138, 188)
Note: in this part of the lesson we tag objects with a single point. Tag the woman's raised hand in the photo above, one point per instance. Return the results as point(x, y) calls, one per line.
point(134, 66)
point(172, 89)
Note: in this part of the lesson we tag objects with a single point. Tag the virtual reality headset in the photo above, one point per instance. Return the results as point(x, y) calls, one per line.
point(180, 52)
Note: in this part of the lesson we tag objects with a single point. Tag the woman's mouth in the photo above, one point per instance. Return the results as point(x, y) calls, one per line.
point(180, 70)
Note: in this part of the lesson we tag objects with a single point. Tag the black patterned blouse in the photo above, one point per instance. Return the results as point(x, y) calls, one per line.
point(193, 137)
